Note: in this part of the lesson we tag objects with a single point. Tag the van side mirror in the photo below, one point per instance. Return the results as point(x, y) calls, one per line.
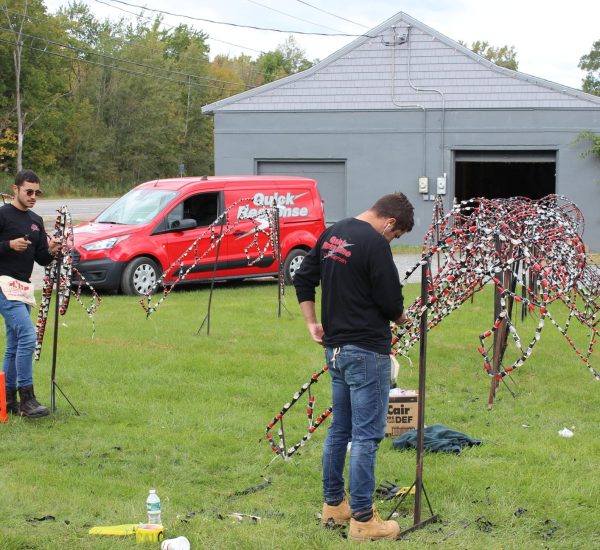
point(187, 223)
point(181, 225)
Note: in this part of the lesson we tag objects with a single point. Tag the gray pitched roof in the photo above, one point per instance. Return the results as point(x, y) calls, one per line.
point(403, 63)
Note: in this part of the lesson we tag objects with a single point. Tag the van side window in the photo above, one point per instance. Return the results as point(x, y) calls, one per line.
point(175, 216)
point(202, 208)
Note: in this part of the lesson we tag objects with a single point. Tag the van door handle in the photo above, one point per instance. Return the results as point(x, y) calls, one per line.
point(238, 233)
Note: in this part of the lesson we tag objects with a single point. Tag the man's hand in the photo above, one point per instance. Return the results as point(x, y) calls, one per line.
point(20, 244)
point(314, 327)
point(54, 245)
point(402, 319)
point(317, 332)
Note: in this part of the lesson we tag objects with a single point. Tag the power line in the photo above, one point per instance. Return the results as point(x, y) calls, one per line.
point(292, 16)
point(237, 24)
point(137, 64)
point(253, 68)
point(137, 15)
point(172, 27)
point(121, 69)
point(332, 14)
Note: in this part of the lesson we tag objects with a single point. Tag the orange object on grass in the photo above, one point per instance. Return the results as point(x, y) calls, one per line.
point(3, 411)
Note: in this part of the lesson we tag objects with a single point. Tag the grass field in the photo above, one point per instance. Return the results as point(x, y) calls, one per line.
point(164, 408)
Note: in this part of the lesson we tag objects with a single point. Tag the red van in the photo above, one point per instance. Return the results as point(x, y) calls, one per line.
point(129, 245)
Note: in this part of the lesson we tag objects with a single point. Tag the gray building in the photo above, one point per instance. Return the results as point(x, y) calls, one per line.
point(406, 108)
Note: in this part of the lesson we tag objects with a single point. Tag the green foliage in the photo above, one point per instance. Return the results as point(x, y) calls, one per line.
point(503, 56)
point(8, 147)
point(288, 58)
point(594, 139)
point(25, 32)
point(164, 408)
point(591, 63)
point(109, 104)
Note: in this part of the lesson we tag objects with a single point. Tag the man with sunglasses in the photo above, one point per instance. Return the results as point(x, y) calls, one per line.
point(23, 240)
point(360, 294)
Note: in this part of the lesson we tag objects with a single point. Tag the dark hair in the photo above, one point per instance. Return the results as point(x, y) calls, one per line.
point(396, 205)
point(26, 175)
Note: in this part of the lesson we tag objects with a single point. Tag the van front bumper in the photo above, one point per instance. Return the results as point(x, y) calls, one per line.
point(102, 274)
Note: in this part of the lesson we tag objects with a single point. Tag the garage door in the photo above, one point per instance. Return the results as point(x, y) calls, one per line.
point(503, 174)
point(330, 177)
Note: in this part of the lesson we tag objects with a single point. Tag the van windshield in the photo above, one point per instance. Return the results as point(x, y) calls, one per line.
point(137, 207)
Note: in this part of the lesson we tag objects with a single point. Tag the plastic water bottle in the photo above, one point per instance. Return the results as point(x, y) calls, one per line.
point(153, 507)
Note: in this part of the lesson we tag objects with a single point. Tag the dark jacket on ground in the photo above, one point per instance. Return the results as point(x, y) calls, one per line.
point(436, 438)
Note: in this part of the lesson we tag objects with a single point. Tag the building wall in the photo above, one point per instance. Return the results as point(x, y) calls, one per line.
point(386, 151)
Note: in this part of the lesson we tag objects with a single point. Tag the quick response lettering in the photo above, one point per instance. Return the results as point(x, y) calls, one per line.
point(338, 246)
point(285, 203)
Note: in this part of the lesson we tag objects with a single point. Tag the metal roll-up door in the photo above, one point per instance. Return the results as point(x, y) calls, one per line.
point(330, 177)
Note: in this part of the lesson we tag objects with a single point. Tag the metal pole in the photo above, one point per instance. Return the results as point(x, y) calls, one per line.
point(55, 340)
point(212, 281)
point(496, 358)
point(425, 275)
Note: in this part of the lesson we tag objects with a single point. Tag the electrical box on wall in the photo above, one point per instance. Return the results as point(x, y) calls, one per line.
point(423, 184)
point(441, 186)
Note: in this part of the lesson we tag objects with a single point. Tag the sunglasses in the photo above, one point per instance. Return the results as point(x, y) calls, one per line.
point(31, 192)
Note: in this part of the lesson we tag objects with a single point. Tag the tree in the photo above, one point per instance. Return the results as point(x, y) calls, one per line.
point(504, 56)
point(38, 81)
point(594, 139)
point(231, 71)
point(591, 63)
point(137, 96)
point(288, 58)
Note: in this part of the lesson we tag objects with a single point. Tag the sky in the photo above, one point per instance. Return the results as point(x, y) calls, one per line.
point(549, 36)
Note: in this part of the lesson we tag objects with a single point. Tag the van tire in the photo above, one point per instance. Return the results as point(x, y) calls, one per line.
point(140, 276)
point(292, 264)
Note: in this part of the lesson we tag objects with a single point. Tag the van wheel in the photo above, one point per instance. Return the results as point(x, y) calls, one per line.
point(140, 276)
point(292, 264)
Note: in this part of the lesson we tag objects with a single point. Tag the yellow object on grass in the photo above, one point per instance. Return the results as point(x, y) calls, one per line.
point(149, 532)
point(115, 530)
point(144, 532)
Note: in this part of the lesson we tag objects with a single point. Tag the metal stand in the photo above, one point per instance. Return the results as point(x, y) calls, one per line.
point(418, 483)
point(276, 242)
point(509, 280)
point(53, 385)
point(212, 281)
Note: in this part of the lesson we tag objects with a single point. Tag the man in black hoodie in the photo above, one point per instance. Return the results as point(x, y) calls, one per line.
point(360, 294)
point(23, 240)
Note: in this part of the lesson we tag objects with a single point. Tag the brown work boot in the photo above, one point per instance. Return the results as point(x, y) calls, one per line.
point(374, 529)
point(29, 405)
point(336, 515)
point(12, 401)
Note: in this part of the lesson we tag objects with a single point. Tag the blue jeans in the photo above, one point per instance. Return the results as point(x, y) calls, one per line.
point(360, 382)
point(20, 343)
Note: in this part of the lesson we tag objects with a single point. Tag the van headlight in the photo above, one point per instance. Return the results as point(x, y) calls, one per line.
point(104, 244)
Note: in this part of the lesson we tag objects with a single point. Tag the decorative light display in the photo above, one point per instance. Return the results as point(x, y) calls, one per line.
point(264, 224)
point(60, 273)
point(530, 250)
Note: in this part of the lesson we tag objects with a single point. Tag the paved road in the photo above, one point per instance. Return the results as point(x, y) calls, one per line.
point(81, 209)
